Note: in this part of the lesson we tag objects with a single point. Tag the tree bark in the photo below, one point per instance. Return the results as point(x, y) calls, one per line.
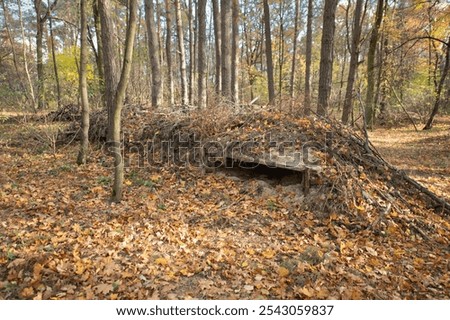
point(39, 56)
point(217, 46)
point(235, 53)
point(326, 56)
point(370, 103)
point(438, 93)
point(84, 145)
point(110, 67)
point(119, 100)
point(191, 50)
point(354, 56)
point(169, 51)
point(99, 55)
point(294, 48)
point(269, 61)
point(55, 64)
point(182, 54)
point(25, 60)
point(153, 50)
point(202, 53)
point(13, 48)
point(308, 58)
point(41, 18)
point(226, 17)
point(281, 48)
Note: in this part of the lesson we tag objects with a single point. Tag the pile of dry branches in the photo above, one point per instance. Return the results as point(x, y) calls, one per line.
point(354, 179)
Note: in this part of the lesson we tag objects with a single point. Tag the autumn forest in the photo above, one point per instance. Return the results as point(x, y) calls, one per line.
point(229, 149)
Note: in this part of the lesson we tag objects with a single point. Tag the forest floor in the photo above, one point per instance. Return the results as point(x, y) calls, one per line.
point(182, 234)
point(424, 155)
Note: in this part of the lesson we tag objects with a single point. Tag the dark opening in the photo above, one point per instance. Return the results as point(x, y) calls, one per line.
point(252, 170)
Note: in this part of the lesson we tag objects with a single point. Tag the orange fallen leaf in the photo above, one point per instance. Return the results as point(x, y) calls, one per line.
point(161, 261)
point(308, 292)
point(269, 253)
point(27, 292)
point(79, 267)
point(283, 272)
point(37, 271)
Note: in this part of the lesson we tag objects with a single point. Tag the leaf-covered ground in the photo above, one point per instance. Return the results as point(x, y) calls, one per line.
point(181, 234)
point(424, 155)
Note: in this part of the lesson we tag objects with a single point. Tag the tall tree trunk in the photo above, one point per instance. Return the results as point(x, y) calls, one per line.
point(226, 17)
point(55, 65)
point(84, 145)
point(294, 48)
point(308, 58)
point(182, 54)
point(235, 53)
point(99, 55)
point(281, 49)
point(191, 49)
point(41, 18)
point(169, 51)
point(370, 101)
point(40, 55)
point(354, 56)
point(346, 48)
point(25, 60)
point(119, 96)
point(269, 61)
point(153, 50)
point(217, 46)
point(110, 67)
point(202, 53)
point(438, 92)
point(326, 56)
point(13, 48)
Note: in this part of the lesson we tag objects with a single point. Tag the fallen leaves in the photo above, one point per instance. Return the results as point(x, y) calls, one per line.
point(103, 288)
point(162, 261)
point(283, 272)
point(181, 235)
point(269, 253)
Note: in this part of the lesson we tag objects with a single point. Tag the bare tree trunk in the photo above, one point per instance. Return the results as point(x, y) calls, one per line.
point(99, 55)
point(110, 67)
point(326, 56)
point(25, 60)
point(281, 49)
point(41, 18)
point(153, 50)
point(226, 17)
point(55, 65)
point(191, 50)
point(235, 53)
point(84, 145)
point(370, 103)
point(13, 48)
point(294, 48)
point(169, 51)
point(202, 53)
point(268, 37)
point(437, 100)
point(120, 94)
point(39, 58)
point(39, 55)
point(308, 58)
point(354, 56)
point(217, 44)
point(182, 54)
